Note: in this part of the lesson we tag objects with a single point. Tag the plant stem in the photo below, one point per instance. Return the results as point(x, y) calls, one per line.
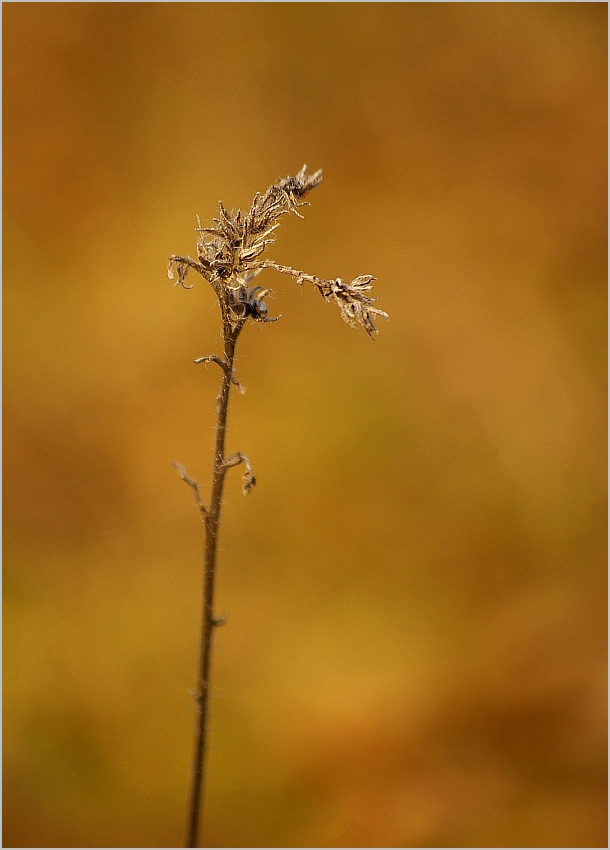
point(228, 256)
point(208, 622)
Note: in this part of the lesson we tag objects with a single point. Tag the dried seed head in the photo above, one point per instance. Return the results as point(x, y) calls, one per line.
point(229, 258)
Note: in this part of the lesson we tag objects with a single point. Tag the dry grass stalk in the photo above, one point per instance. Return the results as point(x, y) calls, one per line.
point(229, 258)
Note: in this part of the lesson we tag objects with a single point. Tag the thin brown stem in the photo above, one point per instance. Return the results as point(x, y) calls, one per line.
point(228, 259)
point(209, 622)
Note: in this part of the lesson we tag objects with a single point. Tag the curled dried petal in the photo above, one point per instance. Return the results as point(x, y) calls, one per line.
point(248, 480)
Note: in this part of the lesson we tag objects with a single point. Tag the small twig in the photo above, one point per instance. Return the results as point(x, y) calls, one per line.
point(184, 476)
point(214, 358)
point(248, 478)
point(298, 275)
point(183, 264)
point(355, 305)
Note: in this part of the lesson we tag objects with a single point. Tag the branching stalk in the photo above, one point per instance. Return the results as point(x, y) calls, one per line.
point(228, 258)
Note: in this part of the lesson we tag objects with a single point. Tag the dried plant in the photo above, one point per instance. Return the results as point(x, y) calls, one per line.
point(229, 258)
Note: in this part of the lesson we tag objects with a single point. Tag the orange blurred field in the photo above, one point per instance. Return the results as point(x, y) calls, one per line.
point(415, 652)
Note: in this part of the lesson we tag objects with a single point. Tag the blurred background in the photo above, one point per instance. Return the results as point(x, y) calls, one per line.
point(415, 652)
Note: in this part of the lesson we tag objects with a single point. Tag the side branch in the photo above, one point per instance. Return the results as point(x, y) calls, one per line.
point(248, 478)
point(298, 275)
point(214, 358)
point(183, 264)
point(184, 476)
point(351, 297)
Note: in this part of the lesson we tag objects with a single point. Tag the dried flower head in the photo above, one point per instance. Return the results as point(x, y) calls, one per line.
point(228, 257)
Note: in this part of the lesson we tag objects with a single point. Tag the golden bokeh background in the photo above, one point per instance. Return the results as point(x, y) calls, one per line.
point(415, 652)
